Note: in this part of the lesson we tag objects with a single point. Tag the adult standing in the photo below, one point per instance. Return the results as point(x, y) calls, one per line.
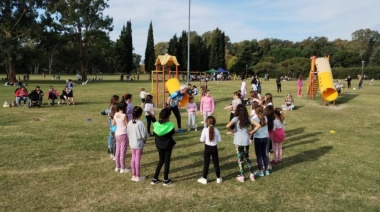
point(299, 86)
point(173, 101)
point(70, 93)
point(243, 89)
point(360, 82)
point(278, 83)
point(349, 81)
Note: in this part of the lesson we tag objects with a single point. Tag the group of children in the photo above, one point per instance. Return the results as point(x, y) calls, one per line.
point(263, 126)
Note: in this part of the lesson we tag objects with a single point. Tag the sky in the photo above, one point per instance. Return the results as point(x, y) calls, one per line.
point(293, 20)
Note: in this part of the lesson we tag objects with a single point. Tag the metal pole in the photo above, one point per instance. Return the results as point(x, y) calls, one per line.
point(362, 68)
point(246, 72)
point(188, 49)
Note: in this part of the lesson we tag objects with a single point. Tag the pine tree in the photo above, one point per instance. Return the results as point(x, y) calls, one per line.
point(128, 48)
point(149, 52)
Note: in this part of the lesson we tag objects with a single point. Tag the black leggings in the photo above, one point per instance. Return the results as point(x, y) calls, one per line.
point(211, 151)
point(165, 156)
point(177, 115)
point(149, 120)
point(261, 153)
point(278, 88)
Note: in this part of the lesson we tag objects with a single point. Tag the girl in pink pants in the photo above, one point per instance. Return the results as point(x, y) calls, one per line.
point(120, 120)
point(137, 137)
point(278, 136)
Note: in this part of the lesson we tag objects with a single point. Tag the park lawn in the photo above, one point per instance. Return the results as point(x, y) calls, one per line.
point(54, 158)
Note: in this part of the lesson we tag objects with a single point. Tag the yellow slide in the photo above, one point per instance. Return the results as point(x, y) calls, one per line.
point(173, 85)
point(325, 78)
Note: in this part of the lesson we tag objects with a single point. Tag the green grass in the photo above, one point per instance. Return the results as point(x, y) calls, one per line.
point(53, 159)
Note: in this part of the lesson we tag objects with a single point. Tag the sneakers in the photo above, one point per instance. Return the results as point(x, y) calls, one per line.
point(167, 182)
point(240, 178)
point(133, 178)
point(219, 180)
point(202, 180)
point(252, 177)
point(180, 130)
point(188, 130)
point(258, 174)
point(138, 179)
point(266, 172)
point(155, 181)
point(123, 171)
point(117, 169)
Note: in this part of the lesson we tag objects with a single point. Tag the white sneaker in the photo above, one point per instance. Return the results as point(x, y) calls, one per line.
point(117, 169)
point(195, 129)
point(219, 180)
point(122, 171)
point(133, 178)
point(188, 130)
point(141, 178)
point(202, 122)
point(229, 133)
point(202, 180)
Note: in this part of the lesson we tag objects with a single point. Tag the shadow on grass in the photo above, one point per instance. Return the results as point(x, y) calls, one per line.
point(309, 155)
point(290, 139)
point(345, 98)
point(301, 143)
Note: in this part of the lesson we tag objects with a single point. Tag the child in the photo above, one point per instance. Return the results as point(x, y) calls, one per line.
point(120, 120)
point(235, 102)
point(163, 132)
point(112, 138)
point(278, 136)
point(114, 99)
point(191, 111)
point(137, 137)
point(207, 106)
point(240, 124)
point(268, 100)
point(260, 135)
point(289, 102)
point(195, 90)
point(149, 112)
point(142, 96)
point(211, 137)
point(129, 108)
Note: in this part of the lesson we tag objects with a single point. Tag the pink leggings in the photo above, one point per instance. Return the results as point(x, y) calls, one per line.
point(121, 150)
point(135, 162)
point(277, 151)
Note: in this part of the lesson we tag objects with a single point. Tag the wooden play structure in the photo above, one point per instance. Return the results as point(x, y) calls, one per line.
point(158, 85)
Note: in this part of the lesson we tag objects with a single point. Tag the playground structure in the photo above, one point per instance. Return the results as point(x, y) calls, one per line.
point(159, 87)
point(165, 61)
point(321, 77)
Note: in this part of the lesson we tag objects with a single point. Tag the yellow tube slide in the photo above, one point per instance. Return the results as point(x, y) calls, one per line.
point(326, 83)
point(173, 85)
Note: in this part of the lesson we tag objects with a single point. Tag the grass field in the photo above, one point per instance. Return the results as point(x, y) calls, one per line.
point(54, 158)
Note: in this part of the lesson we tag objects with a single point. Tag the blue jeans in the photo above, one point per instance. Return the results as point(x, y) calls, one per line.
point(20, 98)
point(110, 135)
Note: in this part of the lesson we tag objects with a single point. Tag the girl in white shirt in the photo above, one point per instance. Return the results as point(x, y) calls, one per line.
point(211, 137)
point(149, 112)
point(120, 120)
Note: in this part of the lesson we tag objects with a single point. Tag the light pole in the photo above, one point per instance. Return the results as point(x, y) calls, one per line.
point(188, 49)
point(363, 68)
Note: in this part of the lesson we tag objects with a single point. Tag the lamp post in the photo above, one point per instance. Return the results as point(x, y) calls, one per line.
point(362, 68)
point(188, 49)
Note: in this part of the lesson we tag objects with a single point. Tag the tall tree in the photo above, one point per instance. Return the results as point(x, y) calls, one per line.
point(83, 19)
point(367, 40)
point(124, 50)
point(149, 52)
point(17, 21)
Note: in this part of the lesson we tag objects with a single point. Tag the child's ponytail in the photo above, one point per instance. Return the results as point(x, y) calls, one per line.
point(211, 131)
point(136, 113)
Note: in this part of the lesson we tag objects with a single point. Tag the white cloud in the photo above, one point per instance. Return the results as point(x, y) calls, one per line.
point(293, 20)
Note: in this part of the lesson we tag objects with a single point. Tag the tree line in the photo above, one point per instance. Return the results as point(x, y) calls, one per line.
point(69, 37)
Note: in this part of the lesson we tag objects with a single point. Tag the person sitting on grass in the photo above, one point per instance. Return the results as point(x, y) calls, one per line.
point(289, 102)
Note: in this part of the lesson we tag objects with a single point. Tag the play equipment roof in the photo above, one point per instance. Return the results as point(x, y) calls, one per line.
point(166, 60)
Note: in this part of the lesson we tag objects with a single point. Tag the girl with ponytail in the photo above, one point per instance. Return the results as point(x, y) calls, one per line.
point(137, 137)
point(210, 135)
